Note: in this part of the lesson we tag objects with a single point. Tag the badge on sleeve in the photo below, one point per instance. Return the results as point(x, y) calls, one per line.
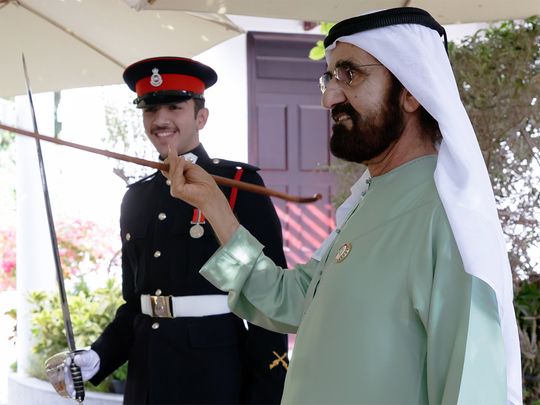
point(279, 360)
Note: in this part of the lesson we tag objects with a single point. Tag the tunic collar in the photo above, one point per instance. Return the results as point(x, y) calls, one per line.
point(397, 181)
point(199, 152)
point(407, 175)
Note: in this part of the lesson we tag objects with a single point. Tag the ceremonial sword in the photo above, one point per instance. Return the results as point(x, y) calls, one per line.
point(74, 369)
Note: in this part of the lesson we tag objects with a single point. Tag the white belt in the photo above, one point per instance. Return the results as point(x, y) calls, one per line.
point(167, 306)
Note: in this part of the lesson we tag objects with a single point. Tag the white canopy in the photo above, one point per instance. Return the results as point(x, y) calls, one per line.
point(444, 11)
point(78, 43)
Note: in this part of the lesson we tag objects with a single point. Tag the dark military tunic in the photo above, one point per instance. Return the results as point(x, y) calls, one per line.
point(210, 359)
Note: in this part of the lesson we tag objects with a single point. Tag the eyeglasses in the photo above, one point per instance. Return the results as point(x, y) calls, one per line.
point(344, 74)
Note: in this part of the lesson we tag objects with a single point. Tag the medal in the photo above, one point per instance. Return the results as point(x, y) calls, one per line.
point(196, 231)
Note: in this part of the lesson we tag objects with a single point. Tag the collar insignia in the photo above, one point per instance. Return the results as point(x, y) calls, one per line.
point(279, 360)
point(191, 157)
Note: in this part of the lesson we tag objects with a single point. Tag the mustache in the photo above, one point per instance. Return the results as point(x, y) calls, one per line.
point(162, 127)
point(344, 108)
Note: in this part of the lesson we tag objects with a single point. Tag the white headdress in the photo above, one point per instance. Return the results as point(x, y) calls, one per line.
point(412, 49)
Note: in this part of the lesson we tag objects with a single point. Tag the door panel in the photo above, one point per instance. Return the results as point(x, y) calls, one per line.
point(272, 141)
point(288, 137)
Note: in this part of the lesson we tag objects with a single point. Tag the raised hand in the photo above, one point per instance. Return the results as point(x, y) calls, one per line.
point(192, 184)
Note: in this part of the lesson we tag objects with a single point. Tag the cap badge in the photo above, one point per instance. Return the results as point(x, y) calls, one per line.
point(156, 80)
point(343, 252)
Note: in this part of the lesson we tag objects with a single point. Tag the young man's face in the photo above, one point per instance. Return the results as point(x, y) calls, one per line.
point(365, 107)
point(174, 124)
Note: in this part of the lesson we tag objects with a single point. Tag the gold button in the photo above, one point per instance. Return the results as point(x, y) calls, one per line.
point(157, 253)
point(161, 216)
point(128, 236)
point(155, 325)
point(158, 292)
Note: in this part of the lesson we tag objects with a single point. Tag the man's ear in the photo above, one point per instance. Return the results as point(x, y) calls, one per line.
point(202, 117)
point(409, 102)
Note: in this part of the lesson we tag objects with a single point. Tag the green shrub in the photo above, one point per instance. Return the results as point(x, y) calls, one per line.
point(91, 312)
point(527, 304)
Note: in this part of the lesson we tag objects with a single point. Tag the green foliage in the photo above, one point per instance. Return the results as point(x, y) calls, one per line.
point(498, 74)
point(317, 52)
point(91, 312)
point(12, 337)
point(527, 304)
point(126, 135)
point(6, 139)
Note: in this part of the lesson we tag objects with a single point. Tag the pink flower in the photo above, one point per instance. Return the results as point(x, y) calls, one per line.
point(8, 266)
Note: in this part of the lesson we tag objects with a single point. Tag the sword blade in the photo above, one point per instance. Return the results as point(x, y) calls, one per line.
point(75, 371)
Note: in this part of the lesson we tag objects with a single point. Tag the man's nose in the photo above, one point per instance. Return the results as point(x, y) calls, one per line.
point(333, 95)
point(161, 115)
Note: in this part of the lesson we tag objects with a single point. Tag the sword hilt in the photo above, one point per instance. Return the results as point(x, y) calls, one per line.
point(78, 383)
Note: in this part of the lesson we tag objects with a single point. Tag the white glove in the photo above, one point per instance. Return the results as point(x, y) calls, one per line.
point(88, 361)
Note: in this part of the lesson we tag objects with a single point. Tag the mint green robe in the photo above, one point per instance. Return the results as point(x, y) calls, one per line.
point(397, 321)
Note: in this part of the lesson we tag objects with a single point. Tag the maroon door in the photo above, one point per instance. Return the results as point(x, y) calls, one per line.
point(288, 135)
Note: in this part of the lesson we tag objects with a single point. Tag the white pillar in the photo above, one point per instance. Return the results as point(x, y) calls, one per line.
point(35, 264)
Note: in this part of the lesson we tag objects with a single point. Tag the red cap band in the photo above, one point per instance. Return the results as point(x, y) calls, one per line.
point(170, 81)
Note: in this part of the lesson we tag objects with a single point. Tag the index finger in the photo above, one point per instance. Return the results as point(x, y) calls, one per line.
point(173, 160)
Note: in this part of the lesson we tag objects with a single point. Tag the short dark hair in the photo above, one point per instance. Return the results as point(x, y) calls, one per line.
point(199, 105)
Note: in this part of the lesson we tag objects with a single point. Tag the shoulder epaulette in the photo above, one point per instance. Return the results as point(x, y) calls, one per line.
point(143, 180)
point(231, 163)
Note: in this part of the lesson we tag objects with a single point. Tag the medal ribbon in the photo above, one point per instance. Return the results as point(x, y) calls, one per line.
point(232, 199)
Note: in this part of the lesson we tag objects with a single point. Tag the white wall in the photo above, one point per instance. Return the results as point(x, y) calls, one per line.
point(225, 134)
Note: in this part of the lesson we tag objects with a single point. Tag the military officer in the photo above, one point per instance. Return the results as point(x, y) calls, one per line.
point(182, 343)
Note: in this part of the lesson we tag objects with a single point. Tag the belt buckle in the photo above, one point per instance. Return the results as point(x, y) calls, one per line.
point(161, 306)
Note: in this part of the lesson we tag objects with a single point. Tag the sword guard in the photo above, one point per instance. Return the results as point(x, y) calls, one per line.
point(56, 368)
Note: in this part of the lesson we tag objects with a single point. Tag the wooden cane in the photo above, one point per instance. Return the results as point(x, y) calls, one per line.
point(224, 181)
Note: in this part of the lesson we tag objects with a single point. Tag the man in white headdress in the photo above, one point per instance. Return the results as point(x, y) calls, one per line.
point(410, 299)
